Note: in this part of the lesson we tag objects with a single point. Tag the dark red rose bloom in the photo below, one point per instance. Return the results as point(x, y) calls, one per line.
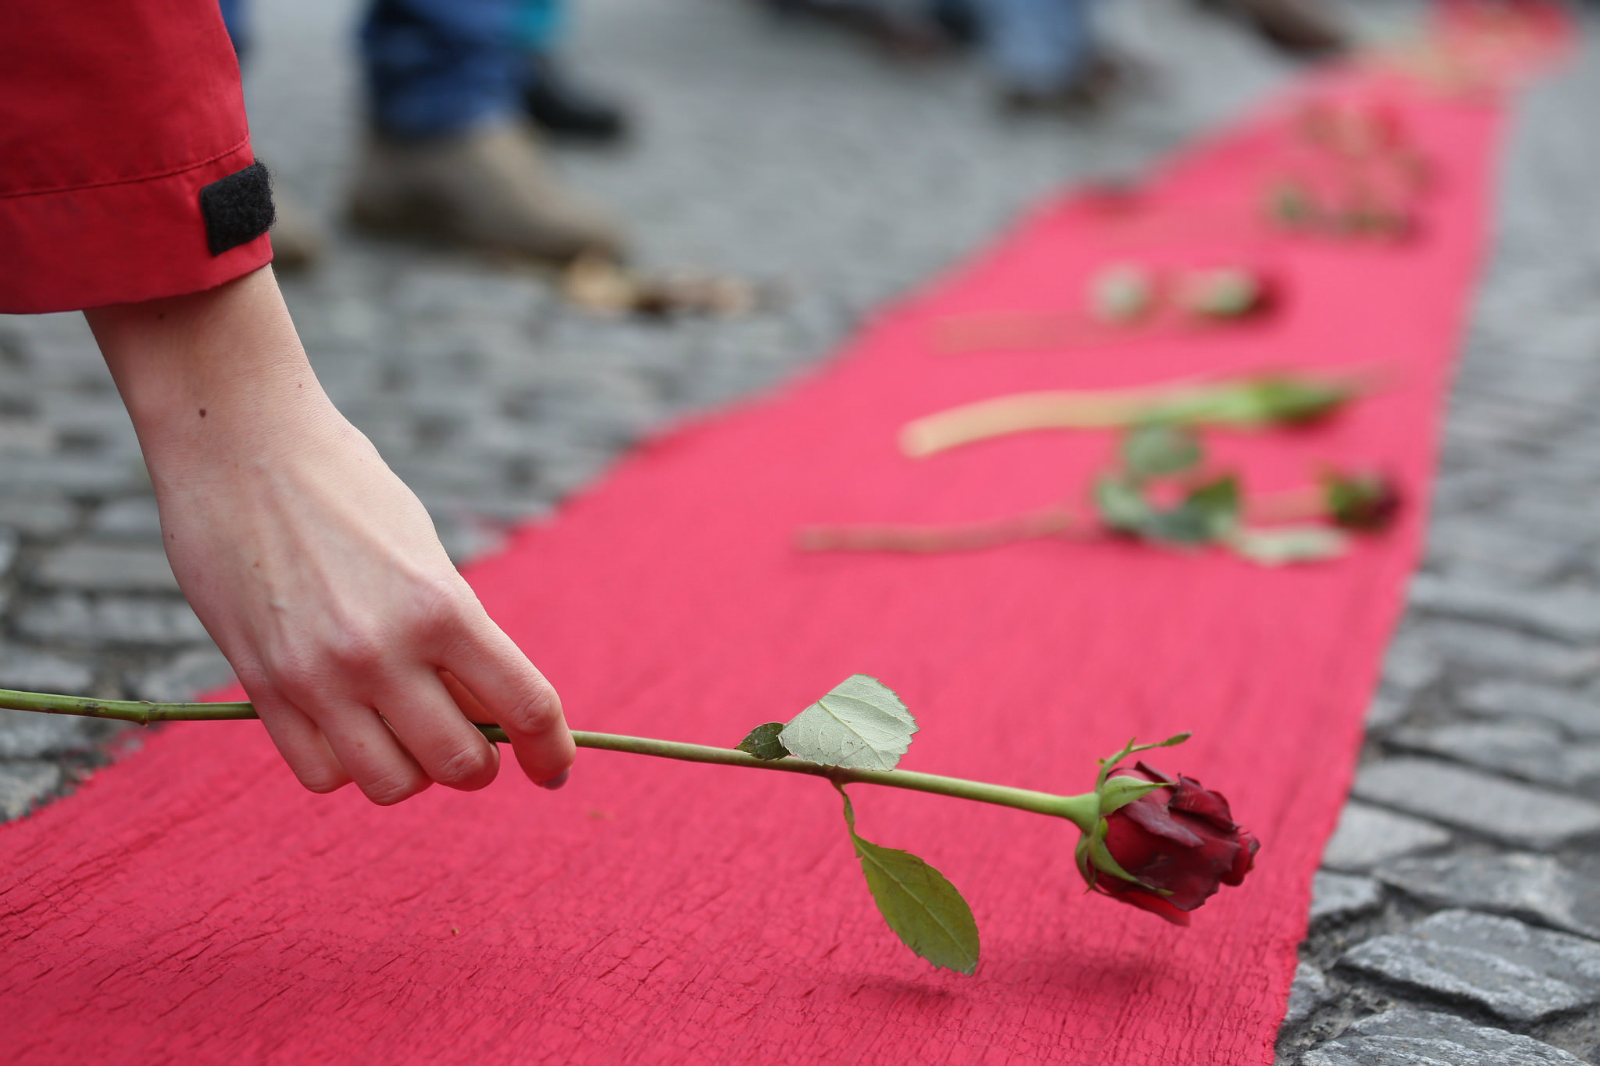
point(1363, 502)
point(1180, 839)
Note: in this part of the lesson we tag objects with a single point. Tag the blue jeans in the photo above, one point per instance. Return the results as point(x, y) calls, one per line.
point(435, 67)
point(1037, 45)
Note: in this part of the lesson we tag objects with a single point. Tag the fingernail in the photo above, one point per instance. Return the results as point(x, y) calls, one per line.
point(556, 781)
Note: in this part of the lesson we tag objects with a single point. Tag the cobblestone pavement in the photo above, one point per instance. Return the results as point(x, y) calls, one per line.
point(1459, 914)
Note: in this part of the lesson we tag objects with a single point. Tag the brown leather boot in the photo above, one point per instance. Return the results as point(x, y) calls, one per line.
point(488, 188)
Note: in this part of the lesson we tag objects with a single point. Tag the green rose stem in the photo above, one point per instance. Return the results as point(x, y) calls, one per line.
point(968, 536)
point(1308, 503)
point(1083, 811)
point(1253, 401)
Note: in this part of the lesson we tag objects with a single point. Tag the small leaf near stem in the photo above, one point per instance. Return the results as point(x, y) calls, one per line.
point(764, 742)
point(1120, 791)
point(1208, 512)
point(1160, 449)
point(919, 903)
point(1131, 748)
point(861, 724)
point(1289, 544)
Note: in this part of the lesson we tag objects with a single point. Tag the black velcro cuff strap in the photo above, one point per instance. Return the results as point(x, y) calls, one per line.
point(237, 208)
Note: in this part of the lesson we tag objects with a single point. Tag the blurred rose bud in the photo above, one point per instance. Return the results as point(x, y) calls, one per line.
point(1223, 292)
point(1366, 502)
point(1124, 292)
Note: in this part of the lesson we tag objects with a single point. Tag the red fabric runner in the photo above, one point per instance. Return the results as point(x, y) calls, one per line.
point(193, 904)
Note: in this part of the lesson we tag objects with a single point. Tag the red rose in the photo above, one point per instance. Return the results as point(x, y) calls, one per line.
point(1365, 502)
point(1182, 840)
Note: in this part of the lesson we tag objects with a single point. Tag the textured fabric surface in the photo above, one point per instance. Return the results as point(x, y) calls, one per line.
point(192, 904)
point(113, 115)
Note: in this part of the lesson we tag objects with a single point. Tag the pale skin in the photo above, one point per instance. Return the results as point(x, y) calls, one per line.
point(316, 571)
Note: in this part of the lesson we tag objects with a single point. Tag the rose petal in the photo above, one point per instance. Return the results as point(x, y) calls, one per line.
point(1245, 860)
point(1156, 905)
point(1194, 798)
point(1151, 773)
point(1151, 814)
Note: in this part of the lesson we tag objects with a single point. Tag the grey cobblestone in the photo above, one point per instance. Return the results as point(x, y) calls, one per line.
point(32, 669)
point(38, 736)
point(1534, 888)
point(1367, 836)
point(107, 568)
point(191, 674)
point(134, 518)
point(24, 784)
point(1309, 992)
point(1501, 965)
point(1339, 897)
point(1476, 649)
point(1514, 814)
point(1576, 712)
point(9, 542)
point(98, 476)
point(1424, 1038)
point(36, 516)
point(1533, 751)
point(74, 619)
point(1569, 615)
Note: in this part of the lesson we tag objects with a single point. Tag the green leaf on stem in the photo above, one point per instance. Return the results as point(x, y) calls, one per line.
point(860, 725)
point(1209, 512)
point(1160, 449)
point(920, 904)
point(763, 742)
point(1289, 544)
point(1121, 504)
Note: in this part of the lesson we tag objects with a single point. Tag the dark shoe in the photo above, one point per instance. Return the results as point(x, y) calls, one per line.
point(564, 109)
point(959, 20)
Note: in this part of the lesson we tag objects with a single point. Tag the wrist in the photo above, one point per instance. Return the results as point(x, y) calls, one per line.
point(211, 374)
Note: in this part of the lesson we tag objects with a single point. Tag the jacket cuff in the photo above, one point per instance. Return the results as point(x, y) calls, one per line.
point(120, 243)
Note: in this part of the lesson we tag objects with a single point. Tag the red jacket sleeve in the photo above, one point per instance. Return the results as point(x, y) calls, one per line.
point(114, 114)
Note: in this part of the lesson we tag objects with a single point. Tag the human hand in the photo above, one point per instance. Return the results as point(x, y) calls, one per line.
point(317, 572)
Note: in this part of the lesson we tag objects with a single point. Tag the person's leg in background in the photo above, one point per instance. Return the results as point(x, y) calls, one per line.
point(296, 237)
point(561, 106)
point(450, 154)
point(1043, 53)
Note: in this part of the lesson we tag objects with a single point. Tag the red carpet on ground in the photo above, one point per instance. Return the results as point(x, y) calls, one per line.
point(192, 904)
